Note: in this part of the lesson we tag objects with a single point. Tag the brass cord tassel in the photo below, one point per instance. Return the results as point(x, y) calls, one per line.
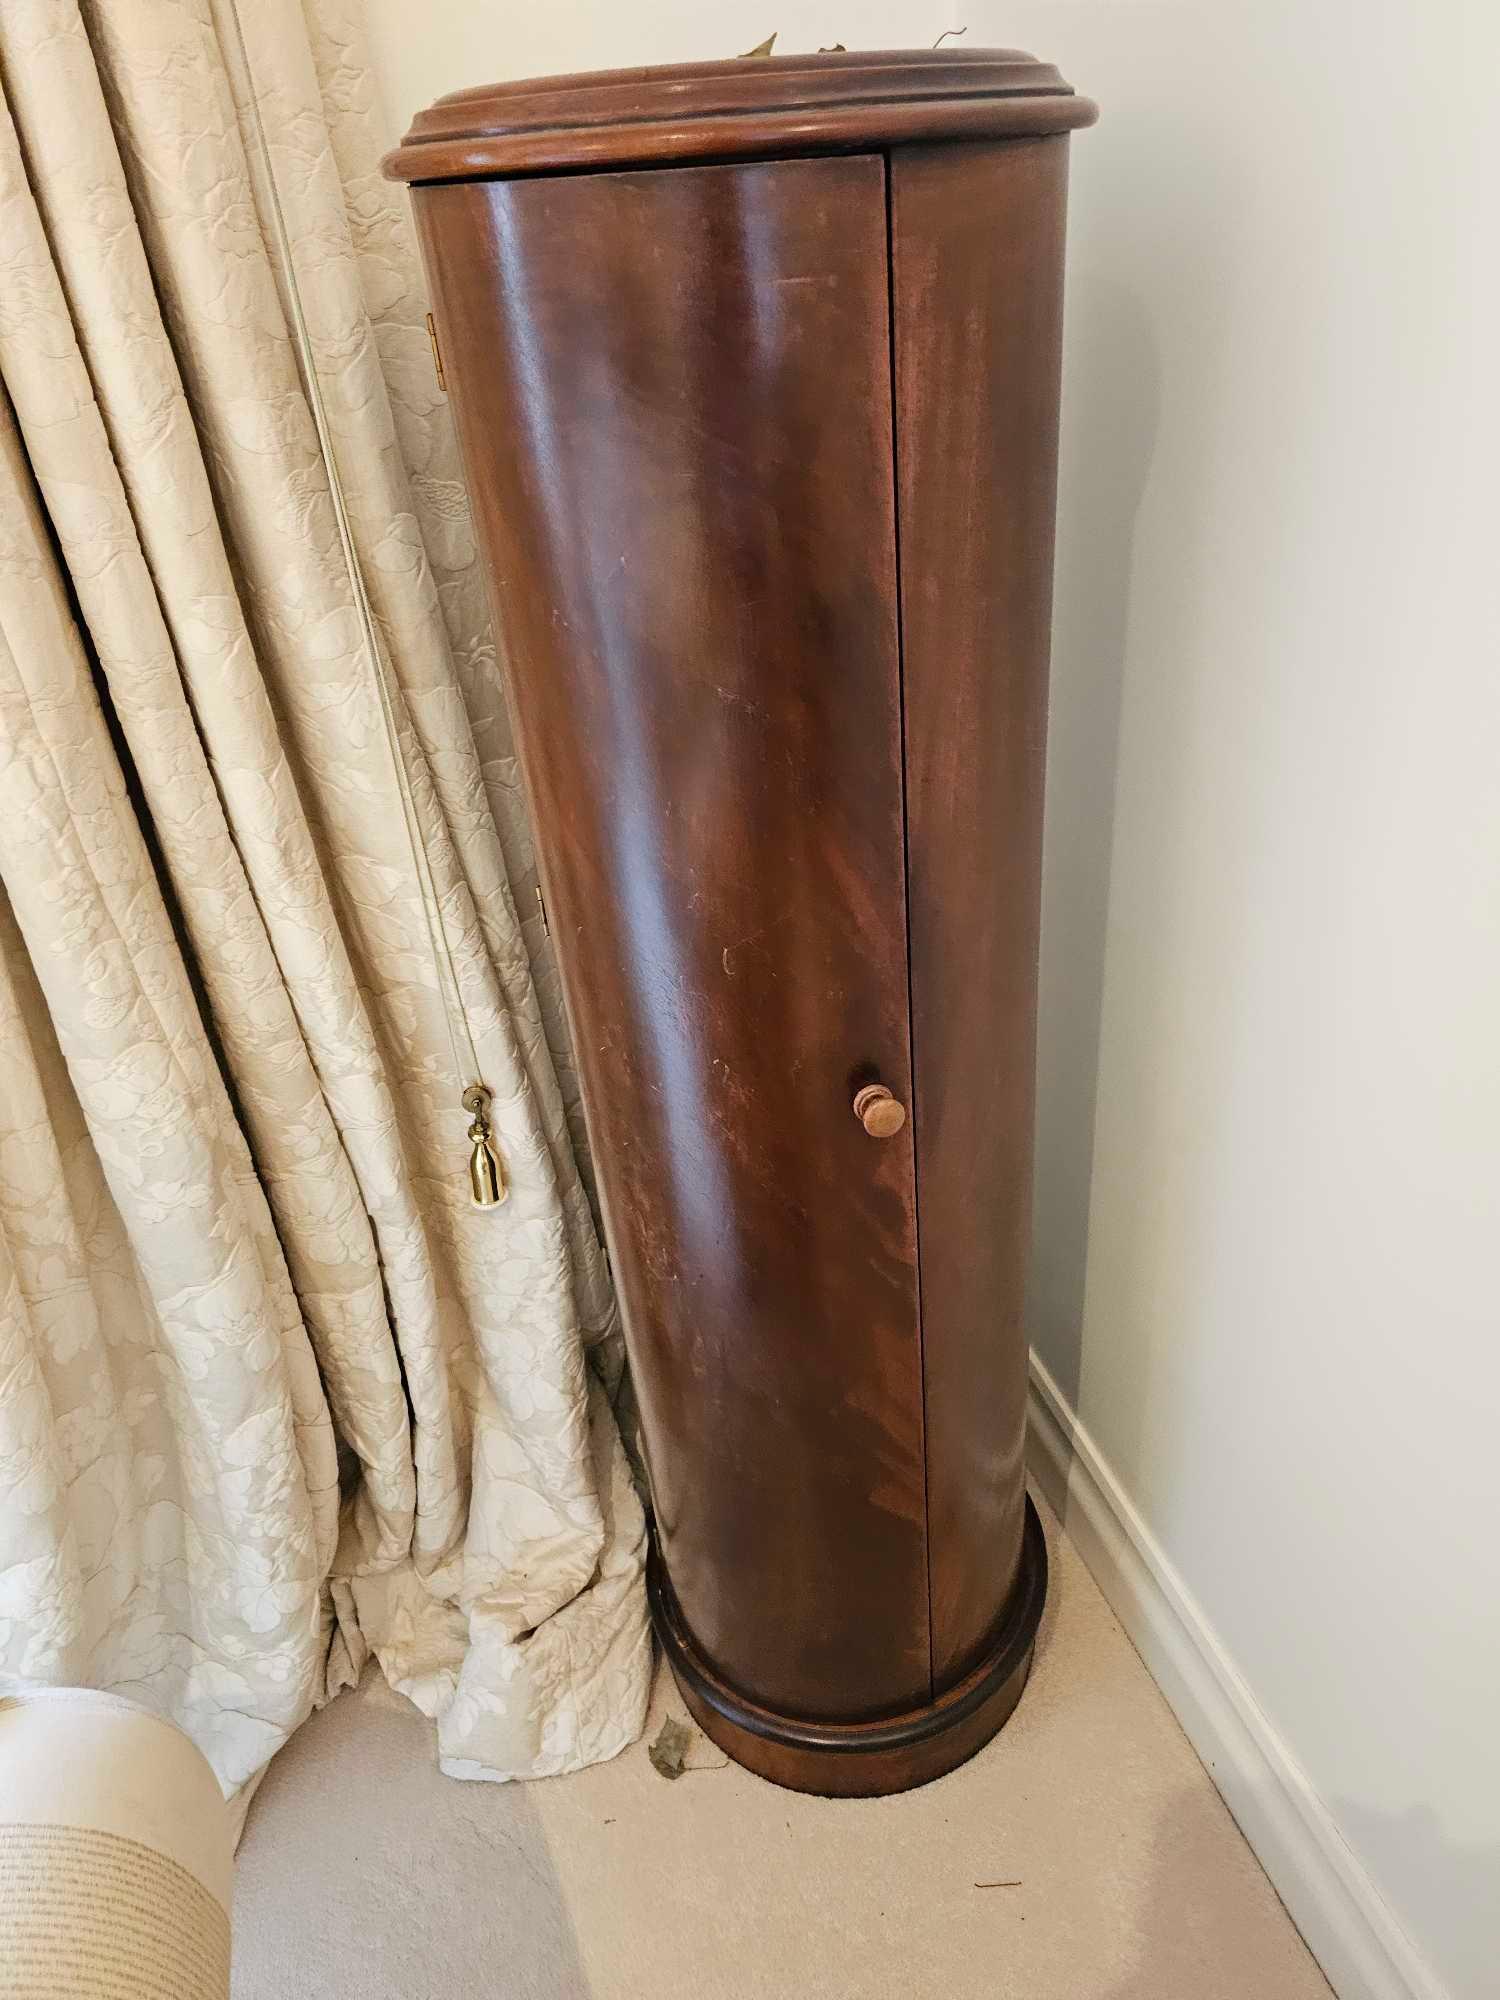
point(486, 1174)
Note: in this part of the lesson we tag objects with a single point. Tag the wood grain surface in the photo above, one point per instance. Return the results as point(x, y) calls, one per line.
point(865, 99)
point(673, 392)
point(976, 244)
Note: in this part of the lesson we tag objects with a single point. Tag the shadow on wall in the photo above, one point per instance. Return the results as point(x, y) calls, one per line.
point(1414, 1844)
point(1111, 394)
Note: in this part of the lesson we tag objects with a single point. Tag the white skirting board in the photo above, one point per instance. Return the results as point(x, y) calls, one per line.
point(1350, 1929)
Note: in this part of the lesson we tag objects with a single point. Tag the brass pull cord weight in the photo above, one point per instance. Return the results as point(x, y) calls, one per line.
point(486, 1174)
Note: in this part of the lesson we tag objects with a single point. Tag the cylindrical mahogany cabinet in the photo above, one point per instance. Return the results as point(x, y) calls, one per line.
point(755, 371)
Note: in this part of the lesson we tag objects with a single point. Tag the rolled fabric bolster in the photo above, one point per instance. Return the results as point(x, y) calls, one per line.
point(116, 1853)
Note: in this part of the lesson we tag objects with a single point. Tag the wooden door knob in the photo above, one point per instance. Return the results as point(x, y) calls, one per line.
point(881, 1114)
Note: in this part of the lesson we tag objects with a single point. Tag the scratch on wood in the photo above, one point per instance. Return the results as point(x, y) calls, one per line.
point(752, 937)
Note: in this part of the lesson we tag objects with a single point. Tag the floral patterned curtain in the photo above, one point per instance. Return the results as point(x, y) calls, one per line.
point(273, 1395)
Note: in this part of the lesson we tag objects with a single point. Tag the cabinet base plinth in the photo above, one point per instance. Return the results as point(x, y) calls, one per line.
point(857, 1760)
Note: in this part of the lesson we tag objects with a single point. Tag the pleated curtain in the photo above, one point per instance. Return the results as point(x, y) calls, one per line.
point(274, 1396)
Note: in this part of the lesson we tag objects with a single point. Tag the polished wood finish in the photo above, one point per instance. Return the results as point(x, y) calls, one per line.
point(727, 110)
point(762, 457)
point(865, 1759)
point(701, 629)
point(977, 263)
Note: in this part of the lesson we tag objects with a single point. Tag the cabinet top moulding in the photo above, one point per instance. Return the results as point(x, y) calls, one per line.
point(828, 103)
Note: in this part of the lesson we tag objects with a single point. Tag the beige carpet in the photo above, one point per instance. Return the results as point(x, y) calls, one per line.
point(364, 1875)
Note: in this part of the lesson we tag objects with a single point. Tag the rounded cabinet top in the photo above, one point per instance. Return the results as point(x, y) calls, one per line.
point(749, 107)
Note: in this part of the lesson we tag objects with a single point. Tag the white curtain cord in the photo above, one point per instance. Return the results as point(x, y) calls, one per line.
point(460, 1036)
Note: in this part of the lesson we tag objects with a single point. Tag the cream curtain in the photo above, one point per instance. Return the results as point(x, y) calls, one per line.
point(273, 1396)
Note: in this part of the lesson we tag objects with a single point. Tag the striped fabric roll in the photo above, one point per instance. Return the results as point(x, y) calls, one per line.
point(116, 1850)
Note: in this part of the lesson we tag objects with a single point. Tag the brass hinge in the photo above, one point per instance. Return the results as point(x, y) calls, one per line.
point(541, 909)
point(437, 355)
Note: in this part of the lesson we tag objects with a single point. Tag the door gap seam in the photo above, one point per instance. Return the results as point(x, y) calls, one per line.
point(911, 1023)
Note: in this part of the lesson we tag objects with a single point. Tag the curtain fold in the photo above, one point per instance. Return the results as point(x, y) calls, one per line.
point(229, 1008)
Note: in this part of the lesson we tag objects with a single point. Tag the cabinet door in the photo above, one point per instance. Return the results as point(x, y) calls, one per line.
point(673, 393)
point(977, 266)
